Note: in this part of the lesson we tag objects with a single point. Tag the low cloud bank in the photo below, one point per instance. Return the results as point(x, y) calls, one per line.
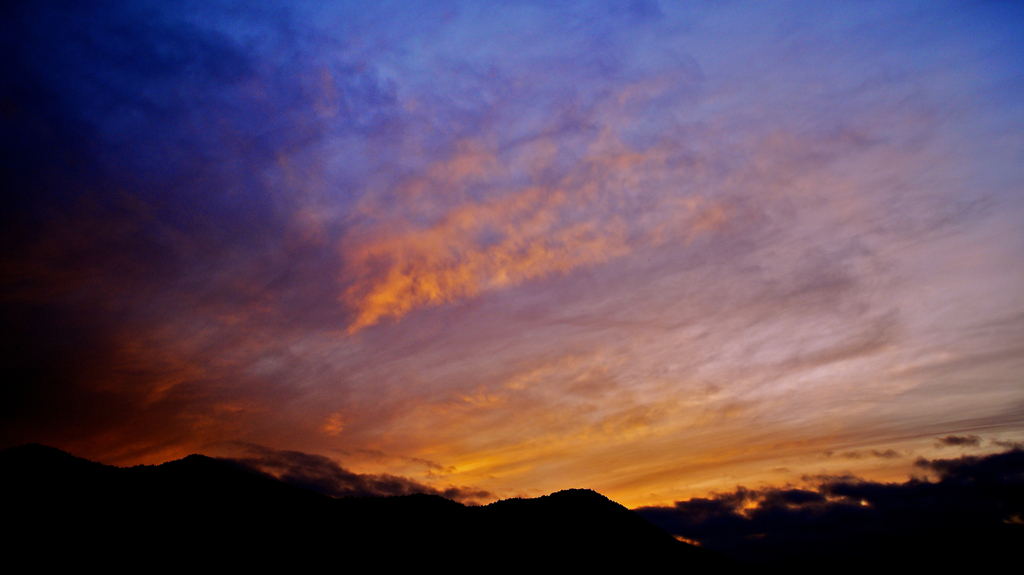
point(970, 511)
point(324, 475)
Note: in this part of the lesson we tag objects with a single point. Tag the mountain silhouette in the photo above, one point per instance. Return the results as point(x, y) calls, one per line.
point(62, 511)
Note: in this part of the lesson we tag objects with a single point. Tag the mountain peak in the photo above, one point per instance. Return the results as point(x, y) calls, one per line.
point(180, 508)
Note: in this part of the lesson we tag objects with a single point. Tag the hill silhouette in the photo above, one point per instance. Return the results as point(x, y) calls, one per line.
point(198, 511)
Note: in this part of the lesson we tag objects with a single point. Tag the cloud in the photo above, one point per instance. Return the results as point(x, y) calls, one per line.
point(1008, 444)
point(970, 506)
point(528, 234)
point(887, 454)
point(324, 475)
point(960, 441)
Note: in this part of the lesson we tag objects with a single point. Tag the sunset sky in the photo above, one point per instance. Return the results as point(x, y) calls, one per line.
point(655, 249)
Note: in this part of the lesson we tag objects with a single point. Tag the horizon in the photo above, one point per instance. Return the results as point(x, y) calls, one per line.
point(324, 476)
point(660, 250)
point(974, 505)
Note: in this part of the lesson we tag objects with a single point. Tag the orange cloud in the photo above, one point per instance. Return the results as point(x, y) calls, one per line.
point(594, 213)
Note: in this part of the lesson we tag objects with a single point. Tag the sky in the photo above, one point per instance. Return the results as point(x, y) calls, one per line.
point(660, 250)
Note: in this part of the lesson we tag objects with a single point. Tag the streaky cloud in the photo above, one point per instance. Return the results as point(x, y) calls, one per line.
point(324, 475)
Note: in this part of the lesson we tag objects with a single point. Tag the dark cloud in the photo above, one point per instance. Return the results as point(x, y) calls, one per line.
point(323, 475)
point(1008, 444)
point(971, 507)
point(887, 454)
point(958, 440)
